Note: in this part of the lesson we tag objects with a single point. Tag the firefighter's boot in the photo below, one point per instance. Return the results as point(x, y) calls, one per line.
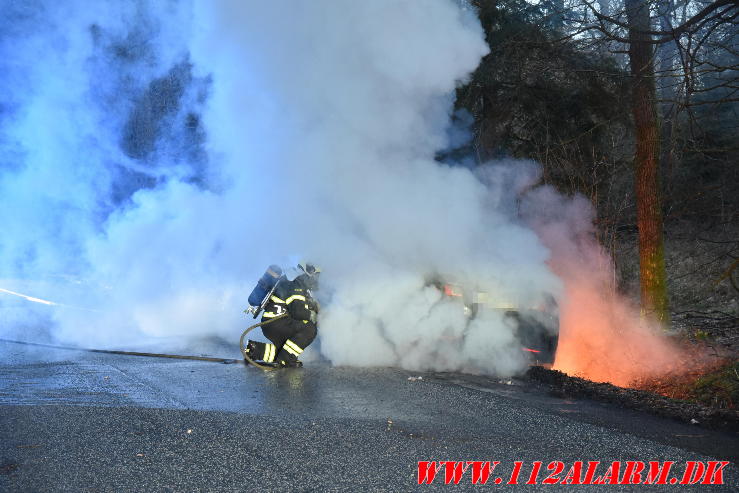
point(288, 355)
point(260, 351)
point(285, 359)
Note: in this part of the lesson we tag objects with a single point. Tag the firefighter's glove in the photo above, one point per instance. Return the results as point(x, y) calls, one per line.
point(313, 317)
point(314, 305)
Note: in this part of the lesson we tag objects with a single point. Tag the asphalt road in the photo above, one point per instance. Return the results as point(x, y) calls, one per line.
point(75, 421)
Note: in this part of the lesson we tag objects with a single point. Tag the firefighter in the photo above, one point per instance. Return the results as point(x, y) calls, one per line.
point(291, 334)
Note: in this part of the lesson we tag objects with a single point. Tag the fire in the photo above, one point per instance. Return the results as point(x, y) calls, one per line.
point(603, 338)
point(450, 290)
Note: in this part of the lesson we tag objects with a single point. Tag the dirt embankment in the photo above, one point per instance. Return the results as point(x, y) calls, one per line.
point(693, 412)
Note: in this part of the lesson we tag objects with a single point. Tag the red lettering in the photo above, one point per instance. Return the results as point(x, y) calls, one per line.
point(427, 471)
point(713, 475)
point(632, 474)
point(556, 467)
point(454, 470)
point(693, 472)
point(481, 471)
point(592, 466)
point(574, 474)
point(516, 471)
point(658, 471)
point(711, 472)
point(611, 475)
point(534, 472)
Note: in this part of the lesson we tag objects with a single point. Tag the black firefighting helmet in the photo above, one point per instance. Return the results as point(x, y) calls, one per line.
point(310, 269)
point(310, 274)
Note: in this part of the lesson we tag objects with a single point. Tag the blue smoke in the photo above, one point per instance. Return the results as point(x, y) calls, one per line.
point(100, 104)
point(157, 156)
point(92, 112)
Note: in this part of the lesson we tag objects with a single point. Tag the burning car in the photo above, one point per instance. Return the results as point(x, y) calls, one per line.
point(536, 328)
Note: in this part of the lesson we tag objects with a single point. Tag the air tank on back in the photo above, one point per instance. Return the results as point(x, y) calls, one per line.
point(265, 285)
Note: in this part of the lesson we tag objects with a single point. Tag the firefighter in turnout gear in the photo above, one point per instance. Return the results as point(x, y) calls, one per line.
point(291, 334)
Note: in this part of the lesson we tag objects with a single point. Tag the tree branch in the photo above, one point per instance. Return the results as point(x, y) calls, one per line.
point(666, 36)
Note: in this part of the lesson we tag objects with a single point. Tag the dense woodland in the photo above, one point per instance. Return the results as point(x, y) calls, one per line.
point(634, 105)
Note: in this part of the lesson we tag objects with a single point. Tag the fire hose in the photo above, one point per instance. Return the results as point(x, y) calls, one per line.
point(243, 349)
point(226, 361)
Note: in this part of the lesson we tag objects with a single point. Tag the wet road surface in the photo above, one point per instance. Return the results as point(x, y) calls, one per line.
point(75, 421)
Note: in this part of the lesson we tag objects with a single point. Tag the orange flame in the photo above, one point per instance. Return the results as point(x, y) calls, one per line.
point(603, 338)
point(602, 335)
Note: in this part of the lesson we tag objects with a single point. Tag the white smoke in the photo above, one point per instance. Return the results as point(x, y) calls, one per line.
point(321, 121)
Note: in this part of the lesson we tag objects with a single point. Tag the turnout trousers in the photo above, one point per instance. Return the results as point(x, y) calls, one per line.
point(289, 339)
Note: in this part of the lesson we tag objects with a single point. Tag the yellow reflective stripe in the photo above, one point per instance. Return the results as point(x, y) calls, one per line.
point(269, 315)
point(291, 351)
point(269, 353)
point(276, 299)
point(295, 297)
point(290, 345)
point(293, 346)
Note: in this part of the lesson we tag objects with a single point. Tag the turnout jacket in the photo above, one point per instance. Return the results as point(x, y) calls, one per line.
point(293, 298)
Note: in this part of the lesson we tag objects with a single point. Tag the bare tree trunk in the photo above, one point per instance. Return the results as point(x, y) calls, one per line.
point(646, 161)
point(667, 82)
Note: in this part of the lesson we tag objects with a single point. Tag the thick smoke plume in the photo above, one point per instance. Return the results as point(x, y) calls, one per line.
point(155, 157)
